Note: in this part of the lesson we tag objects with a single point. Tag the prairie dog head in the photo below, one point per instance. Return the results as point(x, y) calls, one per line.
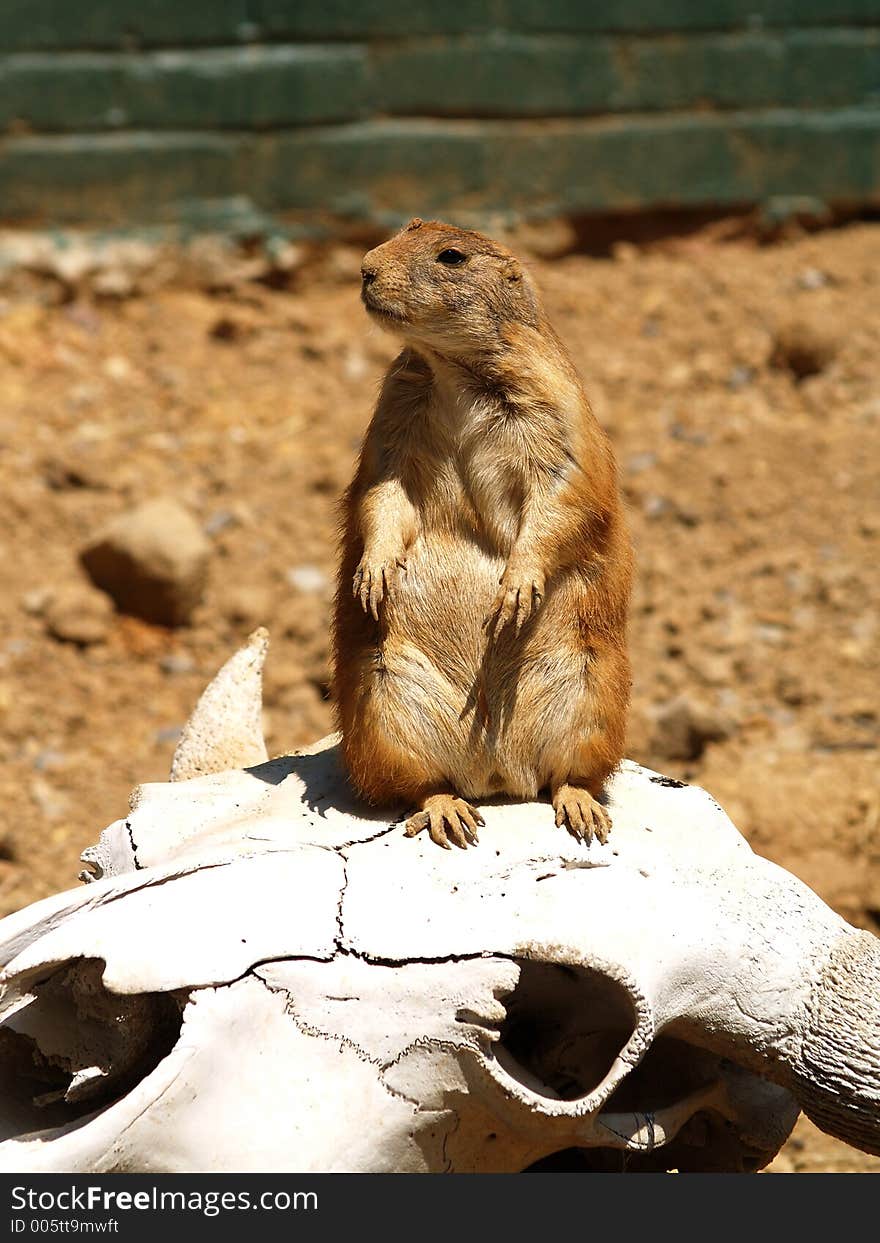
point(447, 289)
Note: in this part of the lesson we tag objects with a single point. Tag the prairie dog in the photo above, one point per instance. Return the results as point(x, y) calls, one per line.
point(479, 634)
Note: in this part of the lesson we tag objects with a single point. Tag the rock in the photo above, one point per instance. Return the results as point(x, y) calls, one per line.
point(118, 368)
point(637, 462)
point(654, 506)
point(65, 472)
point(282, 256)
point(78, 614)
point(78, 260)
point(49, 758)
point(153, 561)
point(343, 264)
point(51, 802)
point(220, 520)
point(683, 727)
point(715, 669)
point(227, 328)
point(546, 239)
point(216, 262)
point(740, 377)
point(250, 606)
point(308, 578)
point(177, 664)
point(355, 364)
point(114, 283)
point(802, 347)
point(35, 602)
point(812, 278)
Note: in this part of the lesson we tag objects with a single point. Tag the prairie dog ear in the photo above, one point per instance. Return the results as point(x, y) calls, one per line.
point(415, 223)
point(511, 269)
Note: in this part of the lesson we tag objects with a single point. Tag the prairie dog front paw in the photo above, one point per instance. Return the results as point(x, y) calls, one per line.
point(520, 595)
point(376, 579)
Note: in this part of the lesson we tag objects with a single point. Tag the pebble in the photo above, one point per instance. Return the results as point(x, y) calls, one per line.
point(740, 377)
point(220, 520)
point(812, 278)
point(66, 472)
point(52, 803)
point(802, 348)
point(248, 605)
point(177, 663)
point(637, 462)
point(654, 506)
point(78, 614)
point(49, 759)
point(308, 578)
point(117, 368)
point(34, 602)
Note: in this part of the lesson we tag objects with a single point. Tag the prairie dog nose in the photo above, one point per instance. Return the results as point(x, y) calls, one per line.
point(368, 274)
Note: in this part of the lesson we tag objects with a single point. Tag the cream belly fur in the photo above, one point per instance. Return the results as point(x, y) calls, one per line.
point(439, 687)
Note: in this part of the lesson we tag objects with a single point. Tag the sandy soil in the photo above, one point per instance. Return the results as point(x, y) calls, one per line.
point(753, 498)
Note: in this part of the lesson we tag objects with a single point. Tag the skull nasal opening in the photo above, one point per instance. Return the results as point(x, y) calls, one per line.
point(564, 1029)
point(71, 1047)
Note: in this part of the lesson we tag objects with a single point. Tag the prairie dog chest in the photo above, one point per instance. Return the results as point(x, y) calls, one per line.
point(485, 463)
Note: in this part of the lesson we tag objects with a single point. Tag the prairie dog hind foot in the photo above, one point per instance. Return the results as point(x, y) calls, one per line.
point(445, 816)
point(581, 814)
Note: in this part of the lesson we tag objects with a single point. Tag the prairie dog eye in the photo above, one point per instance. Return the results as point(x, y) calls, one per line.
point(452, 257)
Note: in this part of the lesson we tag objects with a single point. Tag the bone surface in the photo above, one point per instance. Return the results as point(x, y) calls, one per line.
point(225, 731)
point(265, 976)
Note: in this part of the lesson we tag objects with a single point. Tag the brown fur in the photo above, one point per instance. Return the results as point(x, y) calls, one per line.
point(479, 630)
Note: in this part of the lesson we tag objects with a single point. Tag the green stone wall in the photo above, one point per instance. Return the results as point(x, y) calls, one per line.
point(112, 110)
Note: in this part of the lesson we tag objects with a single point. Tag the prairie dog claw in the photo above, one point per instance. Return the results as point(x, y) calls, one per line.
point(375, 581)
point(581, 814)
point(445, 817)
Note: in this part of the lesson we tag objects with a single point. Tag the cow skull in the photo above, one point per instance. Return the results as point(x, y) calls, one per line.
point(264, 975)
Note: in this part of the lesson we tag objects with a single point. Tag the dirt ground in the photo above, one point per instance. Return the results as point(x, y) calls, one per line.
point(752, 493)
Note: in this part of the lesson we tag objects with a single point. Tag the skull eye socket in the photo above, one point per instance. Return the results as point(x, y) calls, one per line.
point(451, 257)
